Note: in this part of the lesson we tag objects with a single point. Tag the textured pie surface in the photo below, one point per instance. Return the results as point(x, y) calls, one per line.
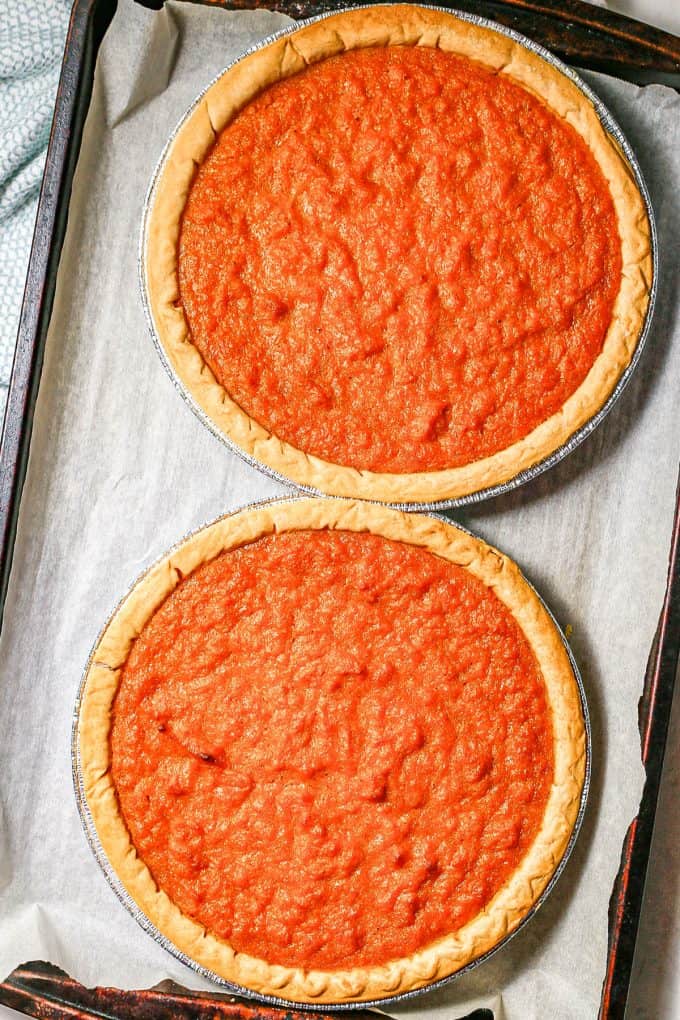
point(396, 256)
point(331, 702)
point(411, 283)
point(331, 749)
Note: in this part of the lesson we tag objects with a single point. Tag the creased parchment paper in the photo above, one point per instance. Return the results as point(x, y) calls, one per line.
point(120, 469)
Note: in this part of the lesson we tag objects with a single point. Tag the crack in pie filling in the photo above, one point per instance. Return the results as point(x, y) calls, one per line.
point(395, 255)
point(332, 751)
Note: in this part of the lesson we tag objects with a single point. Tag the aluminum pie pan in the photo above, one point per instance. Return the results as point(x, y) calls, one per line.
point(227, 986)
point(613, 130)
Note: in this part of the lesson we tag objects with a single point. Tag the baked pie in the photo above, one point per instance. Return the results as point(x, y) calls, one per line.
point(395, 255)
point(333, 751)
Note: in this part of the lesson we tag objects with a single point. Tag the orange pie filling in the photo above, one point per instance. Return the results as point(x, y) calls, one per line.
point(330, 749)
point(398, 260)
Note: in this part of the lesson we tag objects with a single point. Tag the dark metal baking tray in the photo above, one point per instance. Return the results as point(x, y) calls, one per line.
point(578, 33)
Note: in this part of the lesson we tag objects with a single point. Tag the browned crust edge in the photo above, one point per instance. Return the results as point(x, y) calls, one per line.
point(446, 956)
point(382, 26)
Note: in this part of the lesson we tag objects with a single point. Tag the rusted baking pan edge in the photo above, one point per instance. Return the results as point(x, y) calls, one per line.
point(89, 21)
point(41, 990)
point(653, 718)
point(575, 31)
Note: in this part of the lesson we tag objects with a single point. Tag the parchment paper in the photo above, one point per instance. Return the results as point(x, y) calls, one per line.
point(120, 469)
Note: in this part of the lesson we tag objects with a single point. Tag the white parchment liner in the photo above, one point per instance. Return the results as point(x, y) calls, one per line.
point(119, 468)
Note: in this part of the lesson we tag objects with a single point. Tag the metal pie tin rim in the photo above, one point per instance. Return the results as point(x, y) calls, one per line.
point(241, 990)
point(612, 128)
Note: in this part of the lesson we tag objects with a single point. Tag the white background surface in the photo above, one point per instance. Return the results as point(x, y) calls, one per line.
point(657, 986)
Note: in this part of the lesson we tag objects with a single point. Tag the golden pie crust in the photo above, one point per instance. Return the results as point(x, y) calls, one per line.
point(385, 26)
point(512, 901)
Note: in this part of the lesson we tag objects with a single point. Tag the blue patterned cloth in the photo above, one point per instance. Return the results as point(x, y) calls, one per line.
point(32, 34)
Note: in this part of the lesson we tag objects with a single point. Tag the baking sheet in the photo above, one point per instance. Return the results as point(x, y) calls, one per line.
point(120, 469)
